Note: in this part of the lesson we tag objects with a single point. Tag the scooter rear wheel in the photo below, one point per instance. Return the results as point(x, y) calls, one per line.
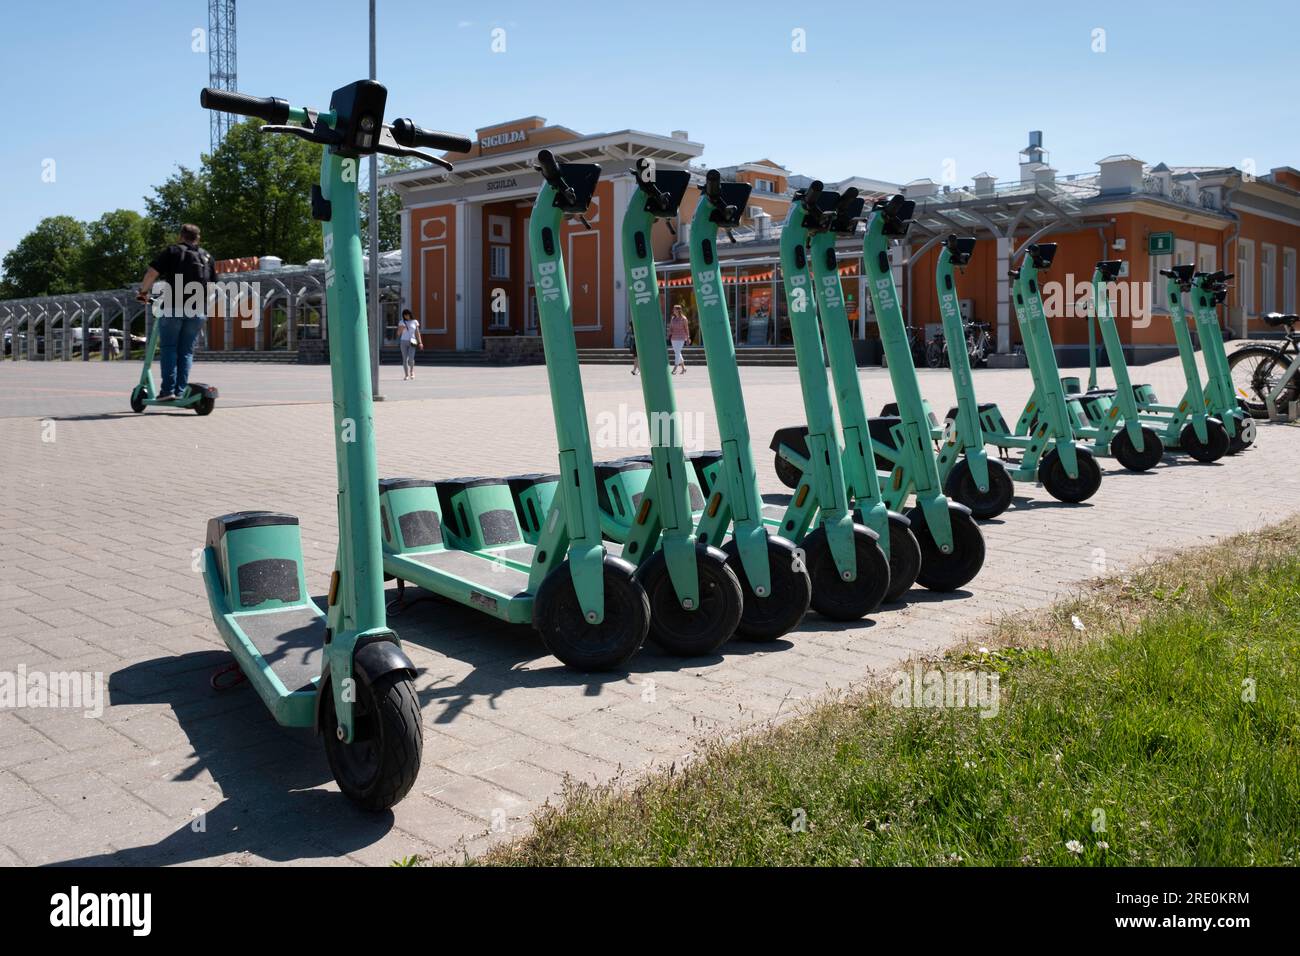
point(1153, 450)
point(204, 406)
point(137, 400)
point(948, 572)
point(961, 487)
point(1052, 473)
point(836, 598)
point(558, 617)
point(701, 631)
point(767, 618)
point(1244, 434)
point(904, 558)
point(787, 473)
point(1212, 449)
point(379, 767)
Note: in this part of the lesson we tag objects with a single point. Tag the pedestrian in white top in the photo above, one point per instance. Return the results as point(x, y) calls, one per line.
point(409, 339)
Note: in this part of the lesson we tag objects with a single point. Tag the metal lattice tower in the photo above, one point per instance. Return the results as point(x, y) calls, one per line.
point(221, 62)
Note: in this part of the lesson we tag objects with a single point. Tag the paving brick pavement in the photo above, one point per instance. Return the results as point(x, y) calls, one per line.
point(103, 511)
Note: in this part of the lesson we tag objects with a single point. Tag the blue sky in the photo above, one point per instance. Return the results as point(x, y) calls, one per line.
point(109, 90)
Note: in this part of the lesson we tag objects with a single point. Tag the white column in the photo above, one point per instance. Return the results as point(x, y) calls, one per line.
point(464, 334)
point(406, 265)
point(1004, 294)
point(623, 188)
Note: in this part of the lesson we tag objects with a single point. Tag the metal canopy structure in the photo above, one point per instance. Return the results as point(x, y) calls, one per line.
point(1002, 213)
point(223, 73)
point(53, 327)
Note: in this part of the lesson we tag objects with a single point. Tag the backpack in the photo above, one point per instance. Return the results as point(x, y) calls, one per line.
point(196, 264)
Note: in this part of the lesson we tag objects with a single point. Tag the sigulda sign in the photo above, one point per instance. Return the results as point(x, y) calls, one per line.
point(503, 139)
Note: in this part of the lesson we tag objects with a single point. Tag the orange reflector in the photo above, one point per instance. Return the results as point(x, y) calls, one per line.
point(334, 588)
point(802, 496)
point(1114, 411)
point(1182, 407)
point(1030, 409)
point(644, 511)
point(714, 504)
point(898, 478)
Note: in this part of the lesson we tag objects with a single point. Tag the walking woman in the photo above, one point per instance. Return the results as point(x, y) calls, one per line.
point(409, 332)
point(679, 334)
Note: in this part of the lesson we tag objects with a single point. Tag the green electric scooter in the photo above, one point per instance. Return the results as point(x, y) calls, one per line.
point(202, 398)
point(952, 545)
point(342, 672)
point(824, 217)
point(461, 538)
point(778, 580)
point(1190, 425)
point(848, 552)
point(695, 597)
point(1209, 289)
point(1109, 418)
point(1044, 432)
point(969, 475)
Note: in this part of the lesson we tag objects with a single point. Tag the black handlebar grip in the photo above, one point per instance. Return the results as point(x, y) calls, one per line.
point(269, 108)
point(550, 169)
point(408, 134)
point(713, 184)
point(811, 194)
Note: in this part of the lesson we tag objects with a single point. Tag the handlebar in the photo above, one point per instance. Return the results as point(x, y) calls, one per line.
point(408, 134)
point(270, 108)
point(812, 194)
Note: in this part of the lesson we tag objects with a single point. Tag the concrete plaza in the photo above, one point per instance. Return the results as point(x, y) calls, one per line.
point(103, 510)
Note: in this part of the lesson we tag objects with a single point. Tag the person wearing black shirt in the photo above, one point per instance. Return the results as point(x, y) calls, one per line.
point(187, 271)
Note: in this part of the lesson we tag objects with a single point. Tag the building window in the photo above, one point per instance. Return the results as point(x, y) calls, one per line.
point(764, 186)
point(1246, 275)
point(1288, 281)
point(498, 262)
point(1268, 278)
point(1206, 257)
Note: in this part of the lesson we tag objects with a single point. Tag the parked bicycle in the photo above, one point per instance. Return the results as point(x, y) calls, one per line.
point(977, 346)
point(1266, 377)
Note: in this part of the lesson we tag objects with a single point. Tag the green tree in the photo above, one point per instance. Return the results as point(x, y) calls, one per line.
point(117, 250)
point(390, 204)
point(257, 197)
point(180, 199)
point(46, 261)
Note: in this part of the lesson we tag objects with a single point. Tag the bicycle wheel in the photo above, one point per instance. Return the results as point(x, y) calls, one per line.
point(934, 353)
point(1256, 371)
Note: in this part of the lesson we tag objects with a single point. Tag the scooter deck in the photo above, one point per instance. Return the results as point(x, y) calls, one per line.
point(467, 578)
point(281, 652)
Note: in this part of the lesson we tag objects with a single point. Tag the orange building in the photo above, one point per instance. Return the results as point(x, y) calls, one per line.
point(466, 275)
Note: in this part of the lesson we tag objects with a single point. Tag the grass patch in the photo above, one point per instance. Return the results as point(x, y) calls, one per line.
point(1165, 732)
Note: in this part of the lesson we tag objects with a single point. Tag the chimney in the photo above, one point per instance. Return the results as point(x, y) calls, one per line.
point(1120, 174)
point(680, 134)
point(984, 184)
point(1033, 157)
point(762, 225)
point(1045, 176)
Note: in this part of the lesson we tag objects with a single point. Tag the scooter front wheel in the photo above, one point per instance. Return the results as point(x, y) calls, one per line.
point(984, 505)
point(558, 617)
point(836, 598)
point(204, 406)
point(1059, 484)
point(1212, 449)
point(1153, 450)
point(904, 558)
point(379, 767)
point(767, 618)
point(700, 631)
point(948, 572)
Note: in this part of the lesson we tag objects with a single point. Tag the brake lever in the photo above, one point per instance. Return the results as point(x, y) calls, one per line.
point(408, 151)
point(320, 135)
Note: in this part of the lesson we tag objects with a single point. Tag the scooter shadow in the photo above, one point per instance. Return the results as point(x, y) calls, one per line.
point(270, 776)
point(1023, 503)
point(506, 657)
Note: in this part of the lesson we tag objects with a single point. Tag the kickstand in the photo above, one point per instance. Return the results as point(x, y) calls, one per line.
point(218, 679)
point(399, 604)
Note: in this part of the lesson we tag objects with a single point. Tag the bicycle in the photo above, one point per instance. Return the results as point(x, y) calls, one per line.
point(1266, 377)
